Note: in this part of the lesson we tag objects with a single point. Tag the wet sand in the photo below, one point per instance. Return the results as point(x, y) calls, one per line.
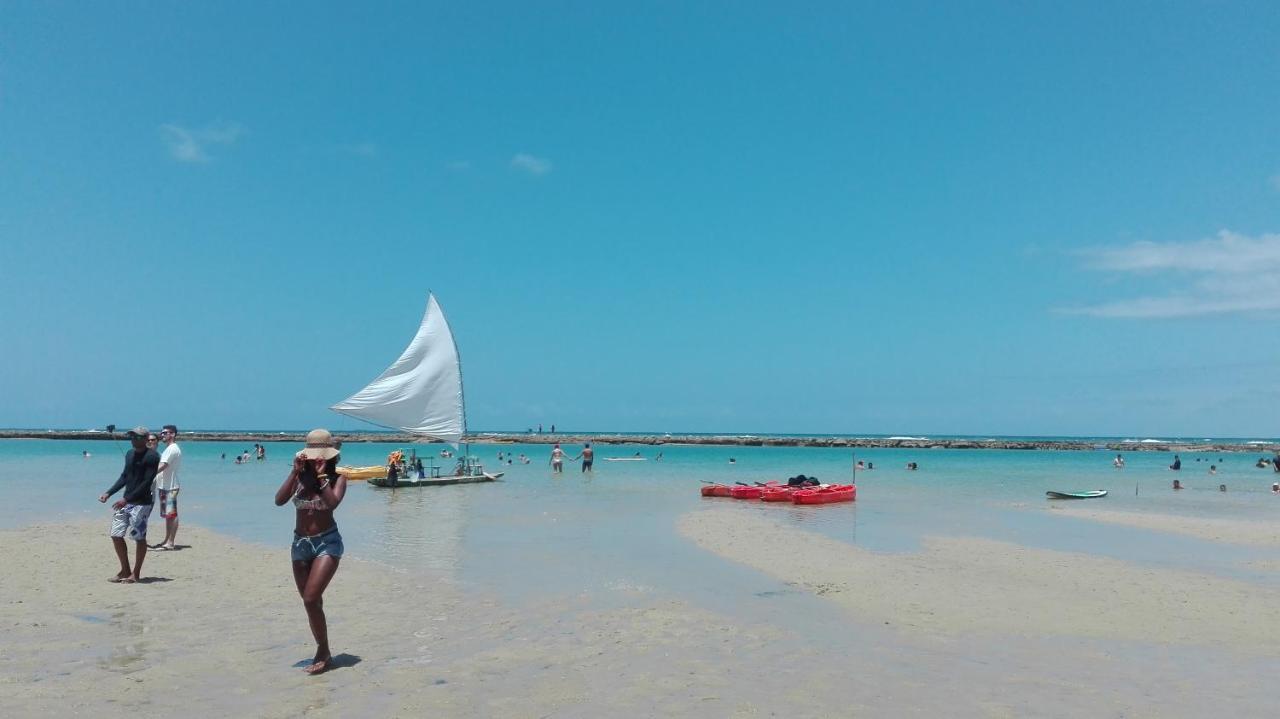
point(1231, 531)
point(964, 628)
point(959, 586)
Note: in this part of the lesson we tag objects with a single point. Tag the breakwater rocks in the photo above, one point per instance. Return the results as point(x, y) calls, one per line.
point(694, 439)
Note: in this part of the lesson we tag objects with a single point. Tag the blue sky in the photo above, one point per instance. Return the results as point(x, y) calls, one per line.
point(1016, 218)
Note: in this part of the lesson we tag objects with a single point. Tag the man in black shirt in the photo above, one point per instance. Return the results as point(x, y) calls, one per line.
point(132, 511)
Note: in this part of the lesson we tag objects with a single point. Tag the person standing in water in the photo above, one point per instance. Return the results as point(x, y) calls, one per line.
point(1118, 461)
point(587, 456)
point(557, 459)
point(1177, 463)
point(167, 486)
point(133, 510)
point(316, 489)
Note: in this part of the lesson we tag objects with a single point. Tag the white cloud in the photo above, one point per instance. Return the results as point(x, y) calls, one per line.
point(1227, 274)
point(191, 145)
point(530, 164)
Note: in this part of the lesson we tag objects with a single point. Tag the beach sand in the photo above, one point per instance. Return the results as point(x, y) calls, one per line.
point(1216, 529)
point(958, 586)
point(217, 629)
point(963, 628)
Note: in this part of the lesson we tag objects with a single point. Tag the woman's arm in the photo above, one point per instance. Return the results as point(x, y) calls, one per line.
point(334, 492)
point(289, 487)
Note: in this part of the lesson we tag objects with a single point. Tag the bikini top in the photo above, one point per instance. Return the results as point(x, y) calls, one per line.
point(316, 504)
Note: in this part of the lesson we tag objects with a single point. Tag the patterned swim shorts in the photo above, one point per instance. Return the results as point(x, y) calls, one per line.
point(168, 501)
point(306, 549)
point(131, 521)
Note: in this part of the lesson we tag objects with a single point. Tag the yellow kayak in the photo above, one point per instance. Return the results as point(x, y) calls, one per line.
point(356, 474)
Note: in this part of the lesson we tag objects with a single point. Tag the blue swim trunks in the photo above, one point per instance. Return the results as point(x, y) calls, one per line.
point(306, 549)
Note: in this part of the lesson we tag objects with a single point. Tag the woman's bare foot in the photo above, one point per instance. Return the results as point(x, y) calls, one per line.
point(319, 666)
point(120, 577)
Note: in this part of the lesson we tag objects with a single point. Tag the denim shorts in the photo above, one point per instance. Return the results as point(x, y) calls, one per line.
point(327, 544)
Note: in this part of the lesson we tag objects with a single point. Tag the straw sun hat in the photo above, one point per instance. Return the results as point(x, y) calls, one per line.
point(319, 445)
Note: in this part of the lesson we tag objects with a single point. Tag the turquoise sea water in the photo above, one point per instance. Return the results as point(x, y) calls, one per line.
point(537, 535)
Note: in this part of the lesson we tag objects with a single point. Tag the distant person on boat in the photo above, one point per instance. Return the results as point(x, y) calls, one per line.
point(133, 509)
point(316, 490)
point(1177, 484)
point(1118, 461)
point(587, 455)
point(557, 458)
point(1177, 463)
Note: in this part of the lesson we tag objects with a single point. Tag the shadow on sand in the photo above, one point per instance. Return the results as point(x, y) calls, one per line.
point(339, 661)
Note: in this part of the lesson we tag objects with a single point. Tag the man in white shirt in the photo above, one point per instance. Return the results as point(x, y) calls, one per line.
point(167, 485)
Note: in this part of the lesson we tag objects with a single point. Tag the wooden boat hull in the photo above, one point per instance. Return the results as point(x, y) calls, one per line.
point(435, 481)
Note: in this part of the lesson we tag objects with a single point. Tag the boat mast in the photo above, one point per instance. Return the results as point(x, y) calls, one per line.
point(462, 385)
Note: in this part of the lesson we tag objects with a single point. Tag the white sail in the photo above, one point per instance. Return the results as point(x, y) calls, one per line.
point(421, 393)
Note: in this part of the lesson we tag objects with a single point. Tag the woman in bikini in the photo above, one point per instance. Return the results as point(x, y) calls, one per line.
point(316, 489)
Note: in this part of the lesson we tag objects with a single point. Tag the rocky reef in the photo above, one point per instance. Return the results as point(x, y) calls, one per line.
point(674, 439)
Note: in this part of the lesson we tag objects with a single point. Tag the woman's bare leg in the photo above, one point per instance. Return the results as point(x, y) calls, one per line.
point(321, 572)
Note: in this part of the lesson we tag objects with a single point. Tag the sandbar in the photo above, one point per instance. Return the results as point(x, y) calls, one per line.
point(1217, 529)
point(966, 585)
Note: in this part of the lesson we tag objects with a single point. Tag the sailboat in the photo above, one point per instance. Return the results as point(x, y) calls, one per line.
point(421, 393)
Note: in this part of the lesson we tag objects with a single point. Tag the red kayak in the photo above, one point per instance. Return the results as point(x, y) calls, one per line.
point(826, 495)
point(777, 494)
point(746, 492)
point(717, 490)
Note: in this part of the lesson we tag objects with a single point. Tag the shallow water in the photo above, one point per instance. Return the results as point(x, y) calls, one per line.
point(610, 533)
